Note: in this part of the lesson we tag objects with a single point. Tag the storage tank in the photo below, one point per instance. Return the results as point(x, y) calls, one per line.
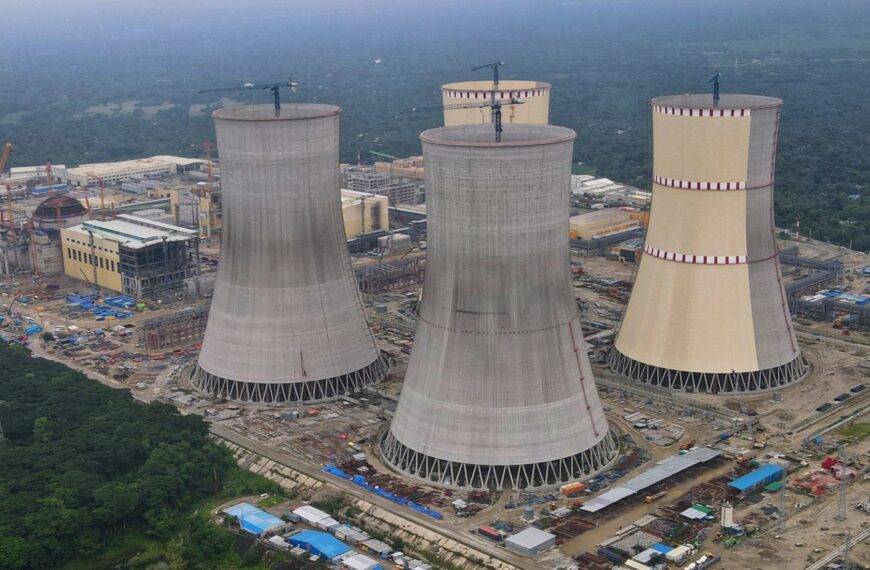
point(286, 321)
point(499, 391)
point(463, 102)
point(708, 311)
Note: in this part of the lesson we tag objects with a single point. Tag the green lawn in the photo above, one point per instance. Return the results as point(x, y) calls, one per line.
point(856, 432)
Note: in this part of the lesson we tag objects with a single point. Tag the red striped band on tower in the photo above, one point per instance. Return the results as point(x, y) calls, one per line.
point(698, 185)
point(695, 259)
point(701, 112)
point(484, 94)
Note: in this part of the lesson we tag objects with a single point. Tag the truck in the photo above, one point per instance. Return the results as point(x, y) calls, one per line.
point(573, 489)
point(655, 496)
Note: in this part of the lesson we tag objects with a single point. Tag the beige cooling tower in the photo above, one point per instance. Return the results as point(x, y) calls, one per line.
point(708, 312)
point(459, 100)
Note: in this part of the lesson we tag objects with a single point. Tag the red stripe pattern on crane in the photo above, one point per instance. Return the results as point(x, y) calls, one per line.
point(698, 185)
point(679, 111)
point(694, 259)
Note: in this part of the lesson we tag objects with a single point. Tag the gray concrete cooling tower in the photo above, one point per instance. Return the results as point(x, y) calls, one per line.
point(708, 311)
point(286, 321)
point(499, 391)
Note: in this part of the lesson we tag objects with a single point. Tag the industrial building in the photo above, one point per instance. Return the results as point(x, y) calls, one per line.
point(320, 544)
point(131, 255)
point(661, 471)
point(530, 542)
point(364, 212)
point(606, 191)
point(499, 391)
point(256, 521)
point(397, 191)
point(757, 478)
point(118, 172)
point(708, 311)
point(411, 167)
point(286, 320)
point(460, 99)
point(605, 223)
point(36, 246)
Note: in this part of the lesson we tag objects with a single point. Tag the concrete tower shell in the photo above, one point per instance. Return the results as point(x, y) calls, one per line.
point(708, 311)
point(286, 320)
point(499, 390)
point(535, 109)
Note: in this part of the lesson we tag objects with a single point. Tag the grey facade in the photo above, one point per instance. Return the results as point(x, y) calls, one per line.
point(499, 391)
point(286, 321)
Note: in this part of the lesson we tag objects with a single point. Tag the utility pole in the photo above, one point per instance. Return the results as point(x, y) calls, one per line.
point(2, 435)
point(841, 500)
point(782, 517)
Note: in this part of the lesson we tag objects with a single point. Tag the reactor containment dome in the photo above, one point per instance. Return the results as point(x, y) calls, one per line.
point(499, 391)
point(286, 320)
point(460, 100)
point(708, 311)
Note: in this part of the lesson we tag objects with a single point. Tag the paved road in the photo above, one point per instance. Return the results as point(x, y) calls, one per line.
point(459, 535)
point(837, 552)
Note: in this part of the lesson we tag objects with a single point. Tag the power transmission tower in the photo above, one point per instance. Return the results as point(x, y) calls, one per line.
point(846, 550)
point(782, 497)
point(841, 500)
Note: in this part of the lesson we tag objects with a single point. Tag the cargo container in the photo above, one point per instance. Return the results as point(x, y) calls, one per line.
point(489, 533)
point(842, 397)
point(857, 388)
point(824, 407)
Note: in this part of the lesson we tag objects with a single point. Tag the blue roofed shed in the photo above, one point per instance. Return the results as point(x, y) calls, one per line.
point(321, 543)
point(252, 519)
point(663, 548)
point(760, 477)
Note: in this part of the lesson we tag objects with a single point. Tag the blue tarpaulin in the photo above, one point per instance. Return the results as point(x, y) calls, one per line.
point(361, 481)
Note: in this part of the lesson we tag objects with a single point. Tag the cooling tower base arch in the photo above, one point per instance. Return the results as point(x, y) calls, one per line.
point(277, 393)
point(709, 382)
point(472, 476)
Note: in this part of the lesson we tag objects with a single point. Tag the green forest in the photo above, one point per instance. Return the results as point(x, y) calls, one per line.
point(90, 478)
point(131, 85)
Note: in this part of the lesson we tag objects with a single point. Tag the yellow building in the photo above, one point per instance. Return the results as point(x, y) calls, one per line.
point(411, 167)
point(604, 223)
point(473, 95)
point(364, 212)
point(131, 255)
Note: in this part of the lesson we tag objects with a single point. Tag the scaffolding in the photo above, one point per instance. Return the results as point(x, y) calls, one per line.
point(176, 329)
point(389, 276)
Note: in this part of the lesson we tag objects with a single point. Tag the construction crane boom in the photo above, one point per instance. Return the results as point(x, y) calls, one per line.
point(275, 88)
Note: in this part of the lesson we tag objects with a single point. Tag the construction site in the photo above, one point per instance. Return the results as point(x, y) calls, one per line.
point(425, 351)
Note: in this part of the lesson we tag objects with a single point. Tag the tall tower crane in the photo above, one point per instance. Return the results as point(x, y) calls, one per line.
point(714, 81)
point(493, 102)
point(4, 158)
